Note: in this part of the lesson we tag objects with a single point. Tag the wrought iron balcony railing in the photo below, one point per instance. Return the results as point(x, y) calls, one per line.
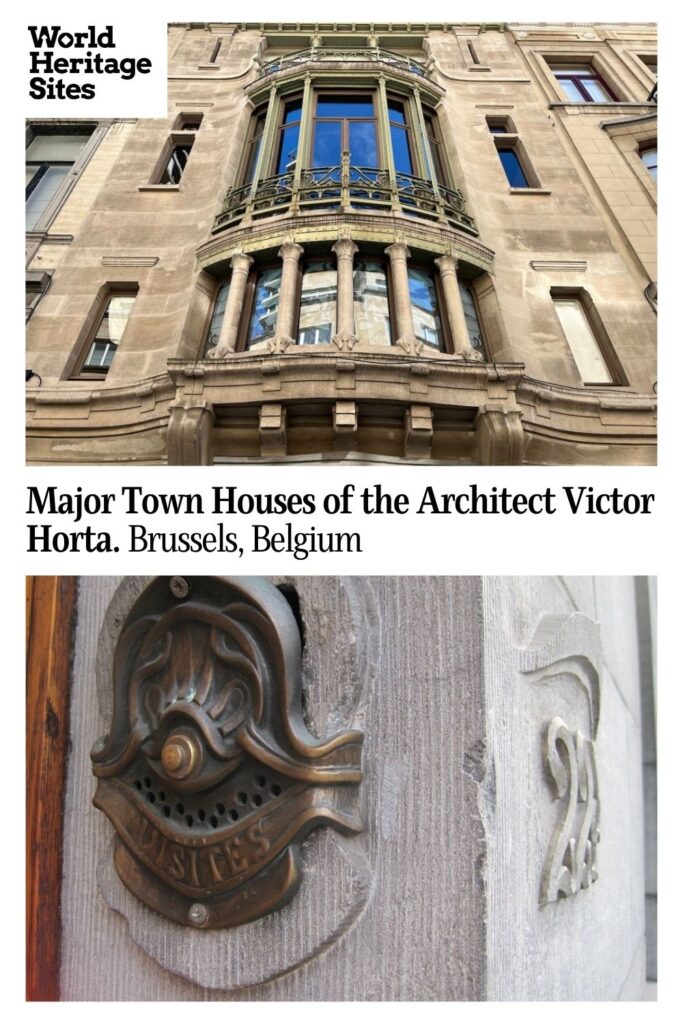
point(344, 188)
point(322, 54)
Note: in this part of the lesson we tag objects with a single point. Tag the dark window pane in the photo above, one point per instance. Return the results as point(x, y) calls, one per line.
point(289, 142)
point(264, 314)
point(327, 144)
point(109, 333)
point(318, 311)
point(397, 111)
point(426, 319)
point(513, 168)
point(401, 150)
point(253, 159)
point(345, 106)
point(371, 303)
point(498, 129)
point(435, 150)
point(176, 165)
point(363, 143)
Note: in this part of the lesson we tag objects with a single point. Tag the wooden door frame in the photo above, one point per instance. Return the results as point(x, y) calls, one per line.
point(50, 623)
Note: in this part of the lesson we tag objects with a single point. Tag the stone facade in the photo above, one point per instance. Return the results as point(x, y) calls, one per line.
point(580, 229)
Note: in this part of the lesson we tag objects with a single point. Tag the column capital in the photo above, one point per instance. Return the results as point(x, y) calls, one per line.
point(398, 251)
point(240, 263)
point(447, 264)
point(290, 252)
point(345, 248)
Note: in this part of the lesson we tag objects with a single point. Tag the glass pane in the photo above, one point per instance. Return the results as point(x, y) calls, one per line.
point(54, 148)
point(176, 165)
point(289, 143)
point(426, 319)
point(327, 144)
point(318, 311)
point(253, 158)
point(513, 168)
point(397, 111)
point(292, 111)
point(471, 319)
point(571, 91)
point(345, 106)
point(363, 143)
point(264, 314)
point(597, 92)
point(649, 158)
point(438, 165)
point(100, 356)
point(43, 192)
point(217, 316)
point(371, 303)
point(401, 150)
point(581, 340)
point(115, 318)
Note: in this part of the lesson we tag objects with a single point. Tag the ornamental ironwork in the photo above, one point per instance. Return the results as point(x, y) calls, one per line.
point(361, 55)
point(209, 773)
point(345, 188)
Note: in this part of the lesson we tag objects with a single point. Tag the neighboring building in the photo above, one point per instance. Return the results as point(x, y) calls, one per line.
point(406, 242)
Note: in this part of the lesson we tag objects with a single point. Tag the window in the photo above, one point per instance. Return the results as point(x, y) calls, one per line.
point(471, 317)
point(586, 336)
point(108, 334)
point(49, 159)
point(425, 307)
point(171, 164)
point(511, 153)
point(401, 137)
point(649, 157)
point(435, 147)
point(37, 283)
point(264, 313)
point(217, 315)
point(650, 62)
point(175, 165)
point(254, 145)
point(344, 122)
point(371, 302)
point(288, 137)
point(318, 303)
point(582, 84)
point(315, 296)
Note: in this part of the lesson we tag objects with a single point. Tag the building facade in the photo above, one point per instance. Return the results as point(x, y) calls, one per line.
point(419, 243)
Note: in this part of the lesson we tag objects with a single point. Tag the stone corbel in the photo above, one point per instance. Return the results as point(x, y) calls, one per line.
point(188, 439)
point(418, 432)
point(273, 429)
point(345, 421)
point(500, 437)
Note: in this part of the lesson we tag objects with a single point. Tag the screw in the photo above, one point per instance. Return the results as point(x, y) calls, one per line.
point(198, 914)
point(179, 587)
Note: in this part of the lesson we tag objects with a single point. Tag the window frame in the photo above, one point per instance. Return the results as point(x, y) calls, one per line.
point(410, 134)
point(93, 133)
point(75, 368)
point(374, 92)
point(556, 65)
point(508, 139)
point(173, 142)
point(241, 179)
point(431, 115)
point(599, 332)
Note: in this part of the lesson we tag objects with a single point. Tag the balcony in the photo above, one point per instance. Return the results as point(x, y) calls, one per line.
point(361, 55)
point(344, 188)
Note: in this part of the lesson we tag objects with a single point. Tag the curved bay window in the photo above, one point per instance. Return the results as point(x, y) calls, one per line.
point(377, 299)
point(336, 148)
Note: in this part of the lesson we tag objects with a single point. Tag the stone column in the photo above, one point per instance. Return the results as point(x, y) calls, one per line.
point(399, 253)
point(240, 265)
point(290, 253)
point(345, 249)
point(448, 266)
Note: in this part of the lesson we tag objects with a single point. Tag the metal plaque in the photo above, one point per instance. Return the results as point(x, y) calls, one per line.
point(209, 774)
